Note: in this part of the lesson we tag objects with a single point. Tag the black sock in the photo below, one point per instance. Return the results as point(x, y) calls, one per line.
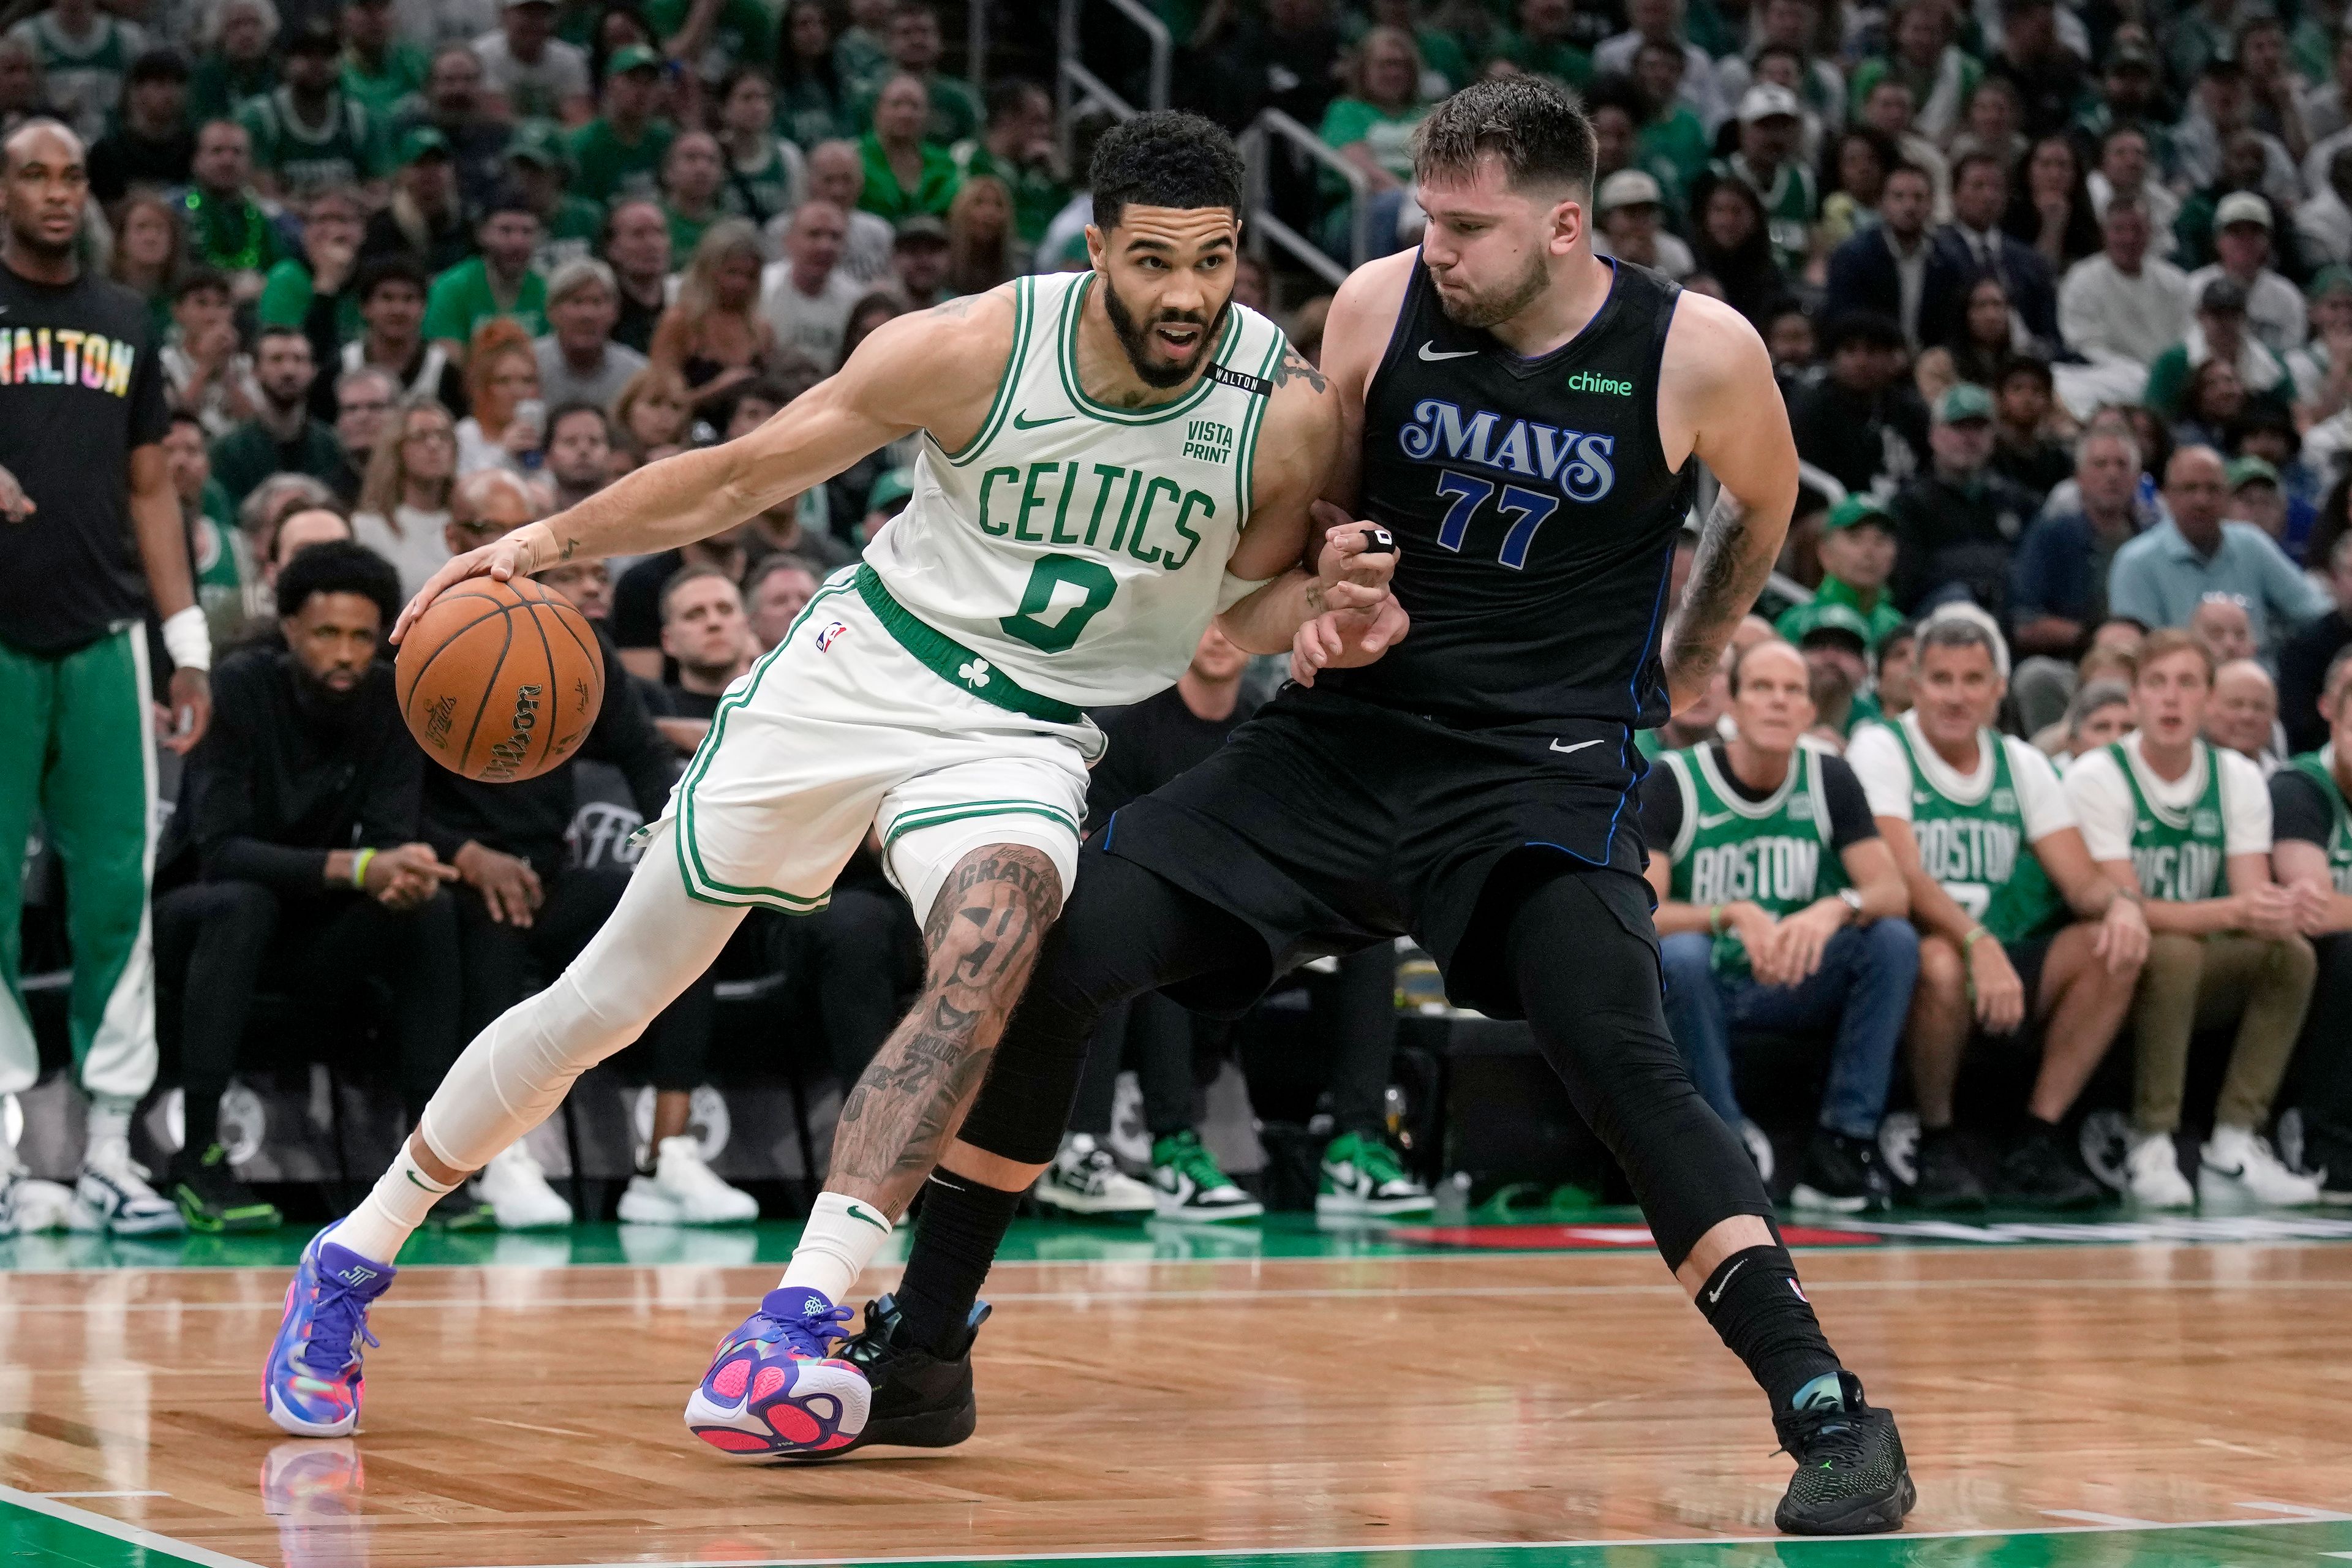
point(202, 1130)
point(1755, 1304)
point(956, 1237)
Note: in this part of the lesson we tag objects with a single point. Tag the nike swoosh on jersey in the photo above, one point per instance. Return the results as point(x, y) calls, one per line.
point(1578, 747)
point(1717, 820)
point(1021, 421)
point(1429, 350)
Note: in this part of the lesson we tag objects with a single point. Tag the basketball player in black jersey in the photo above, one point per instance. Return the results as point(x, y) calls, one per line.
point(1527, 422)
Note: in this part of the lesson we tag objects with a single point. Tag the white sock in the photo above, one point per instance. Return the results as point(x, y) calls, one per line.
point(109, 1123)
point(842, 1237)
point(386, 1217)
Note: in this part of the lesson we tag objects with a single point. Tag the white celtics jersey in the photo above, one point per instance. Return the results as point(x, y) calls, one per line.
point(1077, 548)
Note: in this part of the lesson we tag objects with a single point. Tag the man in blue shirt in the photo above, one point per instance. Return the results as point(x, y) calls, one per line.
point(2162, 576)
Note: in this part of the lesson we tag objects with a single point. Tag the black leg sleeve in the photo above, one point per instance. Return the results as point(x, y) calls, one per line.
point(1589, 985)
point(210, 942)
point(1124, 931)
point(1160, 1033)
point(1355, 1010)
point(1098, 1085)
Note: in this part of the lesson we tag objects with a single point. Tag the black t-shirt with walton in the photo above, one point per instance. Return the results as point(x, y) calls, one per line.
point(80, 387)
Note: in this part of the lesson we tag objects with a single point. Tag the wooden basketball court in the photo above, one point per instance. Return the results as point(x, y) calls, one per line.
point(1506, 1397)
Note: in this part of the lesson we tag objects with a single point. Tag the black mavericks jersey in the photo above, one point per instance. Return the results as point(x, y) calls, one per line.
point(1535, 511)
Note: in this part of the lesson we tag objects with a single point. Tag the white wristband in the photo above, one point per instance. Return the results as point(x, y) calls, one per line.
point(188, 640)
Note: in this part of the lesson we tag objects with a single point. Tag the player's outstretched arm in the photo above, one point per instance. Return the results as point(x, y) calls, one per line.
point(1717, 401)
point(935, 370)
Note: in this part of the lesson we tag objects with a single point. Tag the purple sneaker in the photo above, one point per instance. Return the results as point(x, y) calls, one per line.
point(775, 1389)
point(311, 1384)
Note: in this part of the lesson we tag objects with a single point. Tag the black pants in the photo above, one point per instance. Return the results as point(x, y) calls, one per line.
point(2319, 1078)
point(217, 942)
point(501, 961)
point(855, 963)
point(1574, 949)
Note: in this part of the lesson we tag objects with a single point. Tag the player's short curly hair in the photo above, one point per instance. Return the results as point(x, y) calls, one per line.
point(339, 566)
point(1164, 159)
point(1531, 123)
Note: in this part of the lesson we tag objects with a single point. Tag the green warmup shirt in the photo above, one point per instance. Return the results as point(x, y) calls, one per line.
point(345, 151)
point(82, 386)
point(572, 234)
point(2179, 856)
point(1791, 203)
point(2319, 767)
point(1777, 853)
point(610, 168)
point(1980, 854)
point(401, 73)
point(287, 296)
point(1037, 196)
point(461, 300)
point(884, 197)
point(745, 29)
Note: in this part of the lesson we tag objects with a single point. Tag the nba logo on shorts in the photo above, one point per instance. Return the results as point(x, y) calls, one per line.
point(825, 638)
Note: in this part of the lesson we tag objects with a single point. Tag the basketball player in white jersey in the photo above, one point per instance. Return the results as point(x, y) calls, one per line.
point(1092, 445)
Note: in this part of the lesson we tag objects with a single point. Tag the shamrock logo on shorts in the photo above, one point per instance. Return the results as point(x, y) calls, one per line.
point(974, 674)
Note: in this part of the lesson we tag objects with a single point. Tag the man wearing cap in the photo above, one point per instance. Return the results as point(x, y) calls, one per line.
point(1857, 552)
point(500, 281)
point(620, 152)
point(2160, 578)
point(919, 259)
point(380, 71)
point(578, 360)
point(1630, 206)
point(2241, 242)
point(1958, 524)
point(1862, 423)
point(1974, 244)
point(84, 54)
point(2221, 331)
point(306, 134)
point(1836, 642)
point(152, 144)
point(2124, 307)
point(422, 221)
point(2257, 497)
point(528, 72)
point(2058, 582)
point(1887, 266)
point(1770, 121)
point(452, 106)
point(569, 225)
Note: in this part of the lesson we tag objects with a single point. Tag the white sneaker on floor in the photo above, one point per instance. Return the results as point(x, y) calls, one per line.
point(112, 1194)
point(29, 1206)
point(2238, 1164)
point(684, 1191)
point(1085, 1179)
point(2152, 1173)
point(515, 1186)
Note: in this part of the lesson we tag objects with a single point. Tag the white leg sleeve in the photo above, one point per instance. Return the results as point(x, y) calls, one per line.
point(519, 1069)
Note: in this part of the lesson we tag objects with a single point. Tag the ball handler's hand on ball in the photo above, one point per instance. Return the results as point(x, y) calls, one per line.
point(1353, 568)
point(527, 550)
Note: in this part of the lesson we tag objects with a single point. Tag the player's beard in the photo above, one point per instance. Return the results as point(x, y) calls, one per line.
point(1489, 310)
point(39, 247)
point(1135, 338)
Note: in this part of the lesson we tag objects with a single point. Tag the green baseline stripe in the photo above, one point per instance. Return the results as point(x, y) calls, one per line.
point(40, 1529)
point(696, 876)
point(1067, 360)
point(940, 815)
point(1025, 313)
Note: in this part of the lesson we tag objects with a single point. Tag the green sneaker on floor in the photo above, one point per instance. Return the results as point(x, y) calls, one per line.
point(212, 1199)
point(1186, 1182)
point(1362, 1176)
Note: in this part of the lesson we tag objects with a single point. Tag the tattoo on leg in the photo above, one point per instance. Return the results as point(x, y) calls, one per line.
point(983, 936)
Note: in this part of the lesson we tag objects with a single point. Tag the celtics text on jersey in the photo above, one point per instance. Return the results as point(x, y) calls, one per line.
point(1077, 549)
point(1978, 853)
point(1776, 853)
point(2178, 855)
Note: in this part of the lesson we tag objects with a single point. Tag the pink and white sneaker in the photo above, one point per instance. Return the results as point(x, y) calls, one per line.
point(775, 1389)
point(311, 1384)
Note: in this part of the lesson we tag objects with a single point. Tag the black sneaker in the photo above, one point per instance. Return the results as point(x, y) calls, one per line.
point(920, 1400)
point(212, 1199)
point(2039, 1173)
point(1841, 1174)
point(1946, 1181)
point(1851, 1475)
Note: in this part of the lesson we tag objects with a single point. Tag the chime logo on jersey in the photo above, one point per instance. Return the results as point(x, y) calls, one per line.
point(1579, 462)
point(828, 637)
point(63, 356)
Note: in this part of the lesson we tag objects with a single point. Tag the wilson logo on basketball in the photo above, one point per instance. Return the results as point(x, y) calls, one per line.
point(514, 749)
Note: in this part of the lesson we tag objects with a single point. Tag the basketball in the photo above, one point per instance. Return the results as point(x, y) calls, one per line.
point(499, 681)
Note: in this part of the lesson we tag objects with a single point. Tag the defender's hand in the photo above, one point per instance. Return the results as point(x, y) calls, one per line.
point(1352, 569)
point(1346, 639)
point(527, 550)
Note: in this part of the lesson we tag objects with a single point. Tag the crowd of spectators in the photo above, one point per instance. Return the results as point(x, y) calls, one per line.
point(2060, 297)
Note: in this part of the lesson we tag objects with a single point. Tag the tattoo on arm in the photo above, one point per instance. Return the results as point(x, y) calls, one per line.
point(983, 936)
point(1294, 367)
point(959, 306)
point(1727, 573)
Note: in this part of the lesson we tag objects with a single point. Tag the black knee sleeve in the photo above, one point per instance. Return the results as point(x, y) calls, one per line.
point(1599, 1023)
